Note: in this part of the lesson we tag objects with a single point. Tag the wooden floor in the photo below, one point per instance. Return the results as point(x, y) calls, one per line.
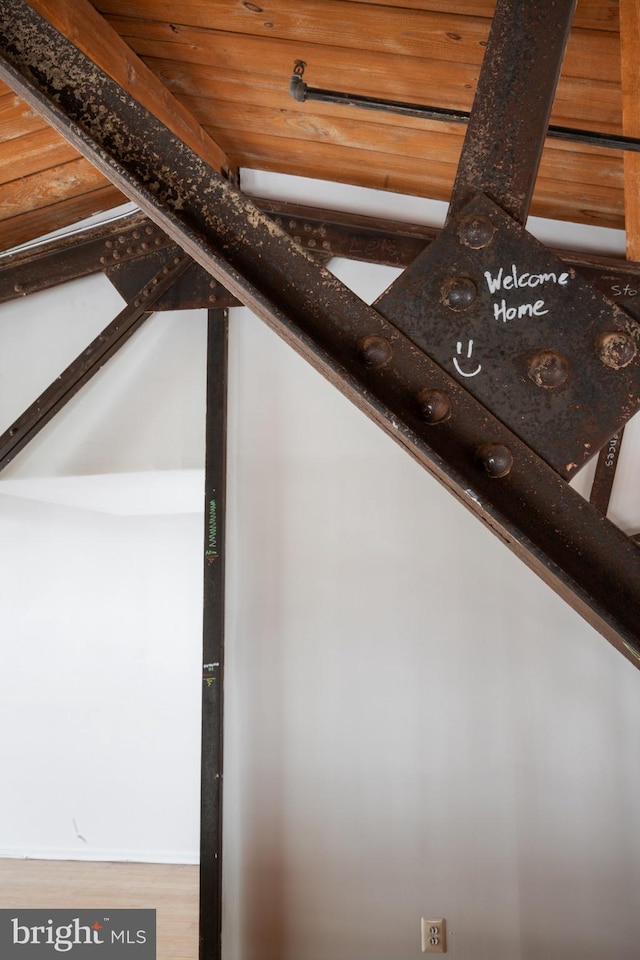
point(170, 889)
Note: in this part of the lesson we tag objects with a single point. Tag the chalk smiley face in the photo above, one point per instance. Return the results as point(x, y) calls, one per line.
point(456, 363)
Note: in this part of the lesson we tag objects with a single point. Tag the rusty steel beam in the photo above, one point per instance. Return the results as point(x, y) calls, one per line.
point(213, 638)
point(71, 257)
point(512, 105)
point(330, 233)
point(115, 246)
point(89, 362)
point(608, 459)
point(587, 560)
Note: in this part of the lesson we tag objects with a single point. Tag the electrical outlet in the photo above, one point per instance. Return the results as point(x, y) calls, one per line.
point(434, 935)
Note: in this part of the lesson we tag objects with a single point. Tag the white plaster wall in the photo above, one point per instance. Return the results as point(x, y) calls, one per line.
point(415, 724)
point(100, 587)
point(98, 693)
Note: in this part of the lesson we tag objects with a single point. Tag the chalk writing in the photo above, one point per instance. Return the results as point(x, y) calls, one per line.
point(514, 279)
point(626, 291)
point(469, 353)
point(373, 247)
point(502, 312)
point(611, 451)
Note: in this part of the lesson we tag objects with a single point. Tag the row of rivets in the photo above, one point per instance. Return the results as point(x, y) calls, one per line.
point(551, 369)
point(154, 282)
point(458, 293)
point(306, 228)
point(122, 246)
point(132, 251)
point(434, 406)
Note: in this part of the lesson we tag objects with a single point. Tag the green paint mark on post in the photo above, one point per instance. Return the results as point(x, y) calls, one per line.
point(212, 539)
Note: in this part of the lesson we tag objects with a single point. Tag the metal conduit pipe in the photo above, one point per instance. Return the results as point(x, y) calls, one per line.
point(301, 92)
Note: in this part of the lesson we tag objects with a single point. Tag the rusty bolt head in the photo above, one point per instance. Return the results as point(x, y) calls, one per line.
point(375, 352)
point(458, 292)
point(495, 458)
point(476, 232)
point(434, 405)
point(616, 350)
point(548, 369)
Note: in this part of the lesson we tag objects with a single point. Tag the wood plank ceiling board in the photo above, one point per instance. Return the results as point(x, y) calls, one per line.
point(221, 69)
point(229, 61)
point(44, 184)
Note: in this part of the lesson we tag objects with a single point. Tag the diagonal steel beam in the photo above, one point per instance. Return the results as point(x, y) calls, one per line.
point(564, 539)
point(87, 363)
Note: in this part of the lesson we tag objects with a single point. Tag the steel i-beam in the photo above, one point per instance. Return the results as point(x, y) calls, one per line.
point(324, 233)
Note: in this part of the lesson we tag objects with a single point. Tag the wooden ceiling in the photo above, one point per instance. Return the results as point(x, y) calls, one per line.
point(228, 62)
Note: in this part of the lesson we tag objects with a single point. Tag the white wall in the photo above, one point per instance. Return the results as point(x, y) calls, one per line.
point(100, 587)
point(415, 724)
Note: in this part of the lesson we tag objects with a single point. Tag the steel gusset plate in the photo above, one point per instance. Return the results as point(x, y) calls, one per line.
point(546, 352)
point(194, 290)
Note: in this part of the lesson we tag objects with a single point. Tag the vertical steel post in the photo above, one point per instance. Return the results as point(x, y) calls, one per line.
point(512, 105)
point(213, 640)
point(604, 476)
